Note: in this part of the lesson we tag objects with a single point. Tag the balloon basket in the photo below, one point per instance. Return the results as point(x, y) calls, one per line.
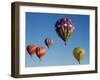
point(79, 62)
point(65, 44)
point(31, 56)
point(40, 59)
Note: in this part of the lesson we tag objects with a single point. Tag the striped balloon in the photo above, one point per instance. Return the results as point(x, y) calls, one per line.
point(48, 42)
point(31, 49)
point(40, 52)
point(64, 28)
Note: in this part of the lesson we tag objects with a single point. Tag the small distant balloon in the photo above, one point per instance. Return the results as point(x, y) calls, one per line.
point(48, 42)
point(40, 52)
point(64, 28)
point(78, 54)
point(31, 49)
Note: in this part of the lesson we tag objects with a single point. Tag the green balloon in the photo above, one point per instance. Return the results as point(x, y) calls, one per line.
point(78, 54)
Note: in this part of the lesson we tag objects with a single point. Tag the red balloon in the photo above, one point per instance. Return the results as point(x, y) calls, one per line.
point(40, 52)
point(31, 49)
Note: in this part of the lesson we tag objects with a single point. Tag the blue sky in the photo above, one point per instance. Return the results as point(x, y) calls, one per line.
point(42, 25)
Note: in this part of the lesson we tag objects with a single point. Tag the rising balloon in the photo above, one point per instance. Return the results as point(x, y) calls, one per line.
point(64, 28)
point(31, 49)
point(48, 42)
point(40, 52)
point(78, 54)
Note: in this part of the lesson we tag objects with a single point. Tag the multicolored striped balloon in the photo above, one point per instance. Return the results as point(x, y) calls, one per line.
point(64, 28)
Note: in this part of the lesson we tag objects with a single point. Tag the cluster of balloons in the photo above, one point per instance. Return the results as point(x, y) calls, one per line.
point(64, 28)
point(39, 51)
point(78, 54)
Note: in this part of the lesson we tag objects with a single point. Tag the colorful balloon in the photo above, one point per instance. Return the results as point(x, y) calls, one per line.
point(31, 49)
point(78, 54)
point(48, 42)
point(40, 52)
point(64, 28)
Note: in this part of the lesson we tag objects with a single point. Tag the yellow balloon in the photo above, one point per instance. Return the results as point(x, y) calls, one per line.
point(78, 54)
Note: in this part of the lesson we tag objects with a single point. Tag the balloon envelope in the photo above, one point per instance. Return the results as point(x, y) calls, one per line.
point(31, 49)
point(64, 28)
point(48, 42)
point(78, 54)
point(40, 52)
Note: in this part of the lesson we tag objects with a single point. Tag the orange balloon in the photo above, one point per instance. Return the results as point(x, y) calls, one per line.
point(40, 52)
point(31, 49)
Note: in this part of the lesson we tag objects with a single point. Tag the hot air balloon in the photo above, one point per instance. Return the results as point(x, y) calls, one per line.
point(31, 49)
point(78, 54)
point(40, 52)
point(48, 42)
point(64, 28)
